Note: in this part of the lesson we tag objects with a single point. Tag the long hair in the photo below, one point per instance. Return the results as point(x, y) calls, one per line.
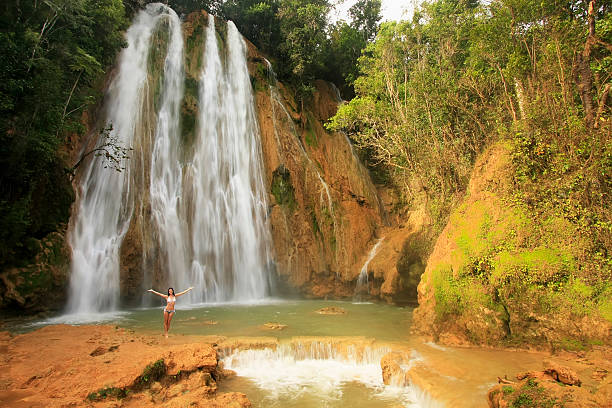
point(171, 289)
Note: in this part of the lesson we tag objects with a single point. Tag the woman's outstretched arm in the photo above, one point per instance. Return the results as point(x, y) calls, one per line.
point(183, 292)
point(157, 293)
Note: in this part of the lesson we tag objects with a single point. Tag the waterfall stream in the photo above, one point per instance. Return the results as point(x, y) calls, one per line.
point(198, 211)
point(362, 280)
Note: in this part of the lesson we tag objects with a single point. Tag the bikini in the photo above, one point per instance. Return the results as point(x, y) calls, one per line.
point(168, 302)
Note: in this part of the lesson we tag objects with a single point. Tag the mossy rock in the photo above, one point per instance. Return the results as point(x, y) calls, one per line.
point(504, 275)
point(42, 284)
point(282, 188)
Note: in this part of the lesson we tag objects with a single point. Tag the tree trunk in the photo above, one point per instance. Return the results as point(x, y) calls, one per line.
point(583, 74)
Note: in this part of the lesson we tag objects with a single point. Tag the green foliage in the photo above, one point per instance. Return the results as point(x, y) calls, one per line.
point(297, 32)
point(54, 54)
point(532, 395)
point(303, 24)
point(107, 392)
point(348, 40)
point(152, 372)
point(435, 90)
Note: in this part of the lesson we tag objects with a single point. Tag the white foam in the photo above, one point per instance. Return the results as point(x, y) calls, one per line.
point(287, 372)
point(82, 318)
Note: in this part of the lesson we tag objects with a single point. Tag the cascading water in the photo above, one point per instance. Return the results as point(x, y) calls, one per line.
point(106, 199)
point(230, 239)
point(317, 372)
point(362, 280)
point(276, 97)
point(207, 222)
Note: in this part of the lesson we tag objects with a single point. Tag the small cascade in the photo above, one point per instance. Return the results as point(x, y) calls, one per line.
point(362, 280)
point(319, 369)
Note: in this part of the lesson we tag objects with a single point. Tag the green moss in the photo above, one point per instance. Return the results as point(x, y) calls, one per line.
point(188, 124)
point(156, 60)
point(192, 87)
point(541, 266)
point(605, 307)
point(311, 134)
point(506, 389)
point(189, 111)
point(447, 291)
point(282, 188)
point(532, 395)
point(152, 372)
point(108, 392)
point(315, 224)
point(572, 345)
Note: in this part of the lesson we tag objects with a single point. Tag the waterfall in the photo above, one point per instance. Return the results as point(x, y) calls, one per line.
point(318, 371)
point(231, 242)
point(207, 224)
point(106, 197)
point(362, 280)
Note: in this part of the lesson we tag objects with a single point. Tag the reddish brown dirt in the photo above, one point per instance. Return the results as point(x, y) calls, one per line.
point(59, 366)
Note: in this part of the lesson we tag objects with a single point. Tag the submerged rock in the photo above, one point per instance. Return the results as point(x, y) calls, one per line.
point(331, 310)
point(391, 366)
point(274, 326)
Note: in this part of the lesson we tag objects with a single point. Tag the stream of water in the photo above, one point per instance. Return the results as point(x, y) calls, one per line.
point(320, 360)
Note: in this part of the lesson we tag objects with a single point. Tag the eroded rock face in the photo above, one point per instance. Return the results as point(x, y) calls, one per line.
point(324, 210)
point(499, 274)
point(392, 372)
point(556, 385)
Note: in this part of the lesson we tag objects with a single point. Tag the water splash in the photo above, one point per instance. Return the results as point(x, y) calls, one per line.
point(318, 370)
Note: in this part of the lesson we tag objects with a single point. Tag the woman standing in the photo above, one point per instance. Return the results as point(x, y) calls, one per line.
point(169, 309)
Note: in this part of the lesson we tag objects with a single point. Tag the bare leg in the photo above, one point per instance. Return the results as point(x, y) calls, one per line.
point(166, 323)
point(170, 315)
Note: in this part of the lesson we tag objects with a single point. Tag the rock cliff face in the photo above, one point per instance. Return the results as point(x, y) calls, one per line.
point(324, 210)
point(500, 275)
point(325, 214)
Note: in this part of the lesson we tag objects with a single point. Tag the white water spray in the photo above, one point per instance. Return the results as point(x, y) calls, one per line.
point(320, 370)
point(230, 238)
